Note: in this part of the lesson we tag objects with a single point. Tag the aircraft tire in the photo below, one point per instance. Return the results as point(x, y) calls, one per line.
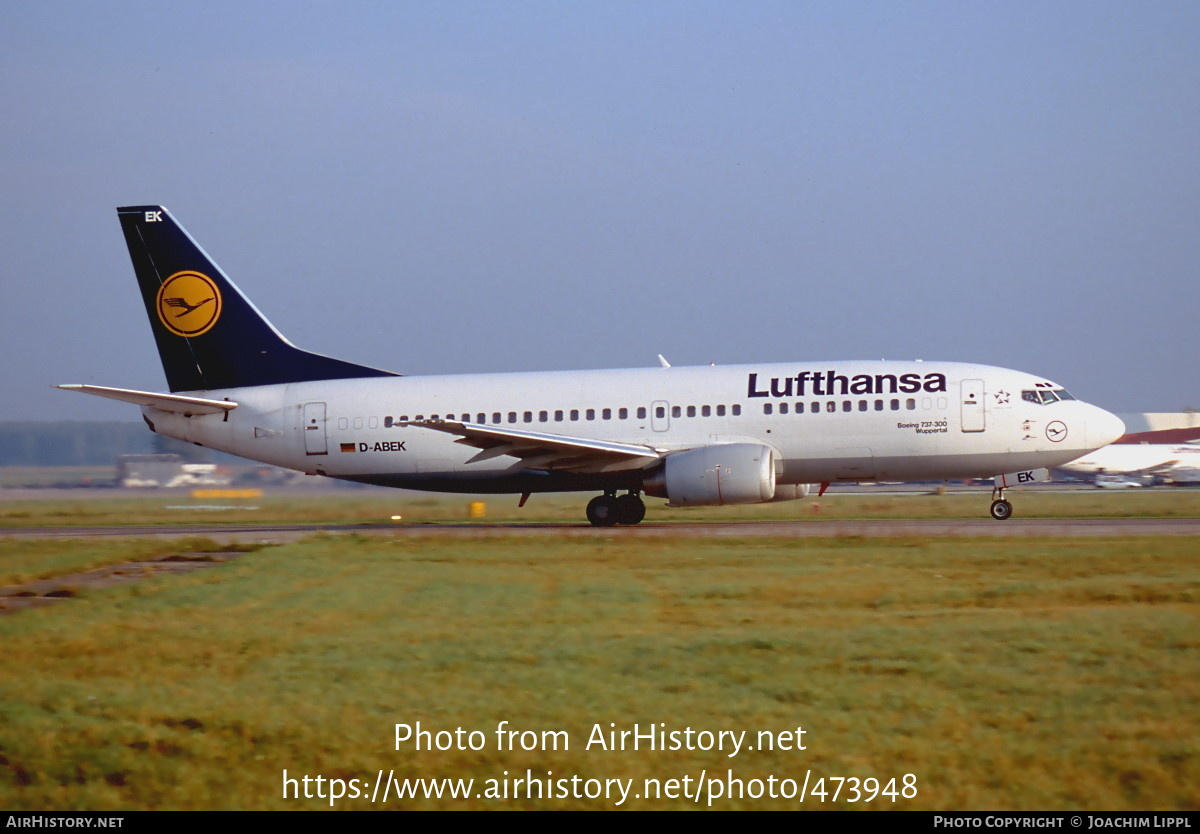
point(603, 511)
point(1001, 510)
point(630, 509)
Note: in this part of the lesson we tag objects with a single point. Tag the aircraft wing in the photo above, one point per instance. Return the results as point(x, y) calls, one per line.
point(538, 450)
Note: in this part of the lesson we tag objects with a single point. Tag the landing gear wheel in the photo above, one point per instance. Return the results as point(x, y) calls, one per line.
point(1001, 510)
point(602, 511)
point(630, 509)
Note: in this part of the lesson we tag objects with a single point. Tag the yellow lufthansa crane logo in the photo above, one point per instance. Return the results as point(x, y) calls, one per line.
point(189, 303)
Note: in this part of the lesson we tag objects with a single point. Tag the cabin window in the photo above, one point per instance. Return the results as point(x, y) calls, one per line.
point(543, 416)
point(910, 404)
point(783, 408)
point(706, 411)
point(879, 405)
point(641, 412)
point(862, 405)
point(676, 411)
point(606, 414)
point(691, 411)
point(720, 411)
point(737, 410)
point(512, 416)
point(480, 417)
point(623, 414)
point(590, 414)
point(766, 408)
point(800, 408)
point(895, 405)
point(558, 416)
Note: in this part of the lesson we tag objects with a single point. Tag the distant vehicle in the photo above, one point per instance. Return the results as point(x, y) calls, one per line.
point(1116, 482)
point(695, 436)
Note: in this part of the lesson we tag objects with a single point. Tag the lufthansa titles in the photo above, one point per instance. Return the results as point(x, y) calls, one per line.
point(831, 383)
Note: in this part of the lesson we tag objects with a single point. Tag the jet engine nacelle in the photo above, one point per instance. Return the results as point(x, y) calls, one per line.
point(792, 492)
point(730, 473)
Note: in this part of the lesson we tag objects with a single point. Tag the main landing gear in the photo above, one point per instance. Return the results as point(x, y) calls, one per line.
point(1001, 508)
point(608, 509)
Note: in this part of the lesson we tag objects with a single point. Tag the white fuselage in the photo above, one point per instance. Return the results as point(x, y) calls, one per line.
point(828, 421)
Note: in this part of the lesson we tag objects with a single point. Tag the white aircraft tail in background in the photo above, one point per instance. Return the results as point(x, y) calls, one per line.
point(1136, 459)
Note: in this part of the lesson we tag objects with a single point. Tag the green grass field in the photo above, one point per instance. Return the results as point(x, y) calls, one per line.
point(374, 507)
point(1030, 674)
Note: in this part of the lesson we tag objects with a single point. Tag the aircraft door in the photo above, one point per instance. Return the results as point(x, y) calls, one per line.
point(973, 405)
point(314, 429)
point(660, 415)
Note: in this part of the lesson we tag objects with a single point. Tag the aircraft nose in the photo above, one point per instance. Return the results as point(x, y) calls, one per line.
point(1103, 428)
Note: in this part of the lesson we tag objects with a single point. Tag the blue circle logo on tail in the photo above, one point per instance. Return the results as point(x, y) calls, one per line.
point(189, 303)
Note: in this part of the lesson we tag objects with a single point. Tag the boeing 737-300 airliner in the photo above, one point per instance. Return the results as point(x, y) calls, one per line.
point(695, 436)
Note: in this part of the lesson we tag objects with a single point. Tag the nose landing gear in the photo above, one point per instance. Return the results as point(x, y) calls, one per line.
point(1001, 509)
point(608, 510)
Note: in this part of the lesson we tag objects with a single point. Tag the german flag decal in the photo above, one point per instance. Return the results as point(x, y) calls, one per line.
point(346, 447)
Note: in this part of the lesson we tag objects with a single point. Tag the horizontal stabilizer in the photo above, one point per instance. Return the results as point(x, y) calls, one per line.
point(163, 402)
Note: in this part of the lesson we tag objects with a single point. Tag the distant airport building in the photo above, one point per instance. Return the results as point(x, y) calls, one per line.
point(166, 471)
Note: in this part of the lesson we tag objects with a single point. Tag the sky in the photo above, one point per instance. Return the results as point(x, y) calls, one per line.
point(460, 187)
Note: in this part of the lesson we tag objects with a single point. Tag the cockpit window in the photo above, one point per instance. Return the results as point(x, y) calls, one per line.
point(1045, 396)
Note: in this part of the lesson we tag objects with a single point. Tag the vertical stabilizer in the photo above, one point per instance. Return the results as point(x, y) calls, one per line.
point(209, 335)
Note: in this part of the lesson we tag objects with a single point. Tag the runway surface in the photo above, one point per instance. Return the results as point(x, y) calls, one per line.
point(936, 528)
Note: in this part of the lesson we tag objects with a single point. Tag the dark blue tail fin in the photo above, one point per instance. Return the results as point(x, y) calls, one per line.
point(209, 335)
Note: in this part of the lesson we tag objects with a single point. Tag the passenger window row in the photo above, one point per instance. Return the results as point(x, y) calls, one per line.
point(660, 412)
point(571, 415)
